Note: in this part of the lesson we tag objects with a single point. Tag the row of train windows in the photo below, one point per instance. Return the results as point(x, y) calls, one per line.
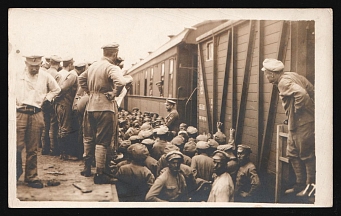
point(160, 85)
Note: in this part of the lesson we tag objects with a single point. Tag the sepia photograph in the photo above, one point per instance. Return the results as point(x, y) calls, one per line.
point(170, 107)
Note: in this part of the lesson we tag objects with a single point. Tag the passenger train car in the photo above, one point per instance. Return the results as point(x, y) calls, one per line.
point(169, 72)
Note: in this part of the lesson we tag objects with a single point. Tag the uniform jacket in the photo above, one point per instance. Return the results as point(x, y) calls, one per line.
point(34, 91)
point(247, 179)
point(68, 85)
point(168, 187)
point(134, 182)
point(222, 189)
point(297, 95)
point(101, 77)
point(172, 120)
point(151, 164)
point(203, 165)
point(54, 73)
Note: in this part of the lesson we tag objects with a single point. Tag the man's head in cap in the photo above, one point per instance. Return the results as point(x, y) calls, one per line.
point(219, 137)
point(55, 61)
point(201, 137)
point(192, 132)
point(170, 104)
point(148, 143)
point(178, 141)
point(243, 153)
point(80, 67)
point(272, 69)
point(202, 147)
point(68, 63)
point(146, 134)
point(122, 148)
point(174, 159)
point(170, 147)
point(183, 127)
point(220, 159)
point(138, 153)
point(120, 62)
point(134, 139)
point(190, 148)
point(33, 63)
point(110, 51)
point(183, 134)
point(135, 109)
point(228, 148)
point(162, 132)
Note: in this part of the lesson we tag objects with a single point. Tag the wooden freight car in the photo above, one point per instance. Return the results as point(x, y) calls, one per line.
point(233, 90)
point(169, 72)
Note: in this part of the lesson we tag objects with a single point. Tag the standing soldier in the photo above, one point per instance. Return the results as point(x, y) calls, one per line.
point(35, 89)
point(297, 95)
point(77, 114)
point(98, 81)
point(172, 119)
point(63, 107)
point(49, 137)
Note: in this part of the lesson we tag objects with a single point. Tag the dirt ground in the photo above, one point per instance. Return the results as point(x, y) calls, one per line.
point(67, 173)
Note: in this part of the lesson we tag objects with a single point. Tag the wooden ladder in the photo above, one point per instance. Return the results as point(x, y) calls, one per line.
point(280, 159)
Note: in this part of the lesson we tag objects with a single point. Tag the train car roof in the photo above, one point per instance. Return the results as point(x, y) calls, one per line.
point(217, 29)
point(183, 36)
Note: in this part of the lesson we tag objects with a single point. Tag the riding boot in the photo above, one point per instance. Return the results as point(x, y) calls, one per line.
point(88, 158)
point(310, 183)
point(86, 172)
point(299, 169)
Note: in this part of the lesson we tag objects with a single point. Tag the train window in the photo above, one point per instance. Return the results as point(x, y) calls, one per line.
point(162, 69)
point(151, 81)
point(209, 51)
point(145, 83)
point(170, 84)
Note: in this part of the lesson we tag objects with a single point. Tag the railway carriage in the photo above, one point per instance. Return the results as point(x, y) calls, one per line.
point(169, 72)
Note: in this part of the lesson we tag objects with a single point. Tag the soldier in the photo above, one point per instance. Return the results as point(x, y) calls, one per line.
point(134, 179)
point(232, 164)
point(160, 143)
point(247, 180)
point(35, 89)
point(192, 133)
point(172, 119)
point(297, 95)
point(98, 81)
point(171, 185)
point(222, 187)
point(77, 114)
point(63, 109)
point(190, 149)
point(50, 132)
point(202, 163)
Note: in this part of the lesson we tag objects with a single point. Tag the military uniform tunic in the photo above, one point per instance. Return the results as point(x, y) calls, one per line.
point(172, 120)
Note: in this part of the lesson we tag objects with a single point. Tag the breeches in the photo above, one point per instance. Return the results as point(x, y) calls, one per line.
point(301, 142)
point(29, 131)
point(64, 117)
point(98, 128)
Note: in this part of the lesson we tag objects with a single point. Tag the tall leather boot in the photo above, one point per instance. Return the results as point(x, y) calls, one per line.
point(88, 158)
point(310, 183)
point(299, 169)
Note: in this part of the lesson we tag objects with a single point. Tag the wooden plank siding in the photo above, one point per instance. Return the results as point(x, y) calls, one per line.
point(257, 128)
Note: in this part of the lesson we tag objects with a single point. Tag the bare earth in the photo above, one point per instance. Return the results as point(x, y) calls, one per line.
point(67, 173)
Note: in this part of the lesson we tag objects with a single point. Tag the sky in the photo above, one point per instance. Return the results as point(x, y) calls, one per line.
point(80, 33)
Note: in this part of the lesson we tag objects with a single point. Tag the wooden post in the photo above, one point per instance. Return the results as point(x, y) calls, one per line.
point(260, 101)
point(205, 89)
point(266, 143)
point(226, 80)
point(215, 85)
point(245, 87)
point(234, 78)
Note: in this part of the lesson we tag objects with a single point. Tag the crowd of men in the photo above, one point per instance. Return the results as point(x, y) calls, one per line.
point(71, 110)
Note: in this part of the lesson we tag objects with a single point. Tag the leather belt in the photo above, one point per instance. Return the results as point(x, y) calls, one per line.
point(28, 109)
